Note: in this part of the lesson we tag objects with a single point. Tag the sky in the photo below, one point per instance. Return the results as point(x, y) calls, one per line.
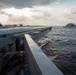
point(38, 12)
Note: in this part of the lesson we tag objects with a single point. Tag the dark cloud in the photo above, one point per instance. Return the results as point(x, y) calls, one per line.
point(24, 3)
point(2, 12)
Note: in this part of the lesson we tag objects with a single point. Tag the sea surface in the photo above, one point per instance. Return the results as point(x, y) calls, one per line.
point(60, 46)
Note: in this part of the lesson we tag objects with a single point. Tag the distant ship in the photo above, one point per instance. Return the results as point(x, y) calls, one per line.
point(70, 25)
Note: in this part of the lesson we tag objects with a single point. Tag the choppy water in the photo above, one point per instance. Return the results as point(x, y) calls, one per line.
point(60, 46)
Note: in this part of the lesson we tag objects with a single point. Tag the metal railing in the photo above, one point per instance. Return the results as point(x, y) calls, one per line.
point(39, 63)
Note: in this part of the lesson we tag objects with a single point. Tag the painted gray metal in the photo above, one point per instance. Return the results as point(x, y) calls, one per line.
point(39, 63)
point(40, 34)
point(17, 30)
point(5, 41)
point(6, 38)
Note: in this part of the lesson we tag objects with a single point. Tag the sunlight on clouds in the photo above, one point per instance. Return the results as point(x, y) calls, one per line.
point(54, 14)
point(3, 18)
point(41, 12)
point(19, 12)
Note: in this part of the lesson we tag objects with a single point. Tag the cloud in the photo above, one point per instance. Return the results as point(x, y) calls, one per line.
point(38, 12)
point(4, 13)
point(42, 15)
point(70, 13)
point(17, 18)
point(25, 3)
point(31, 12)
point(41, 12)
point(3, 18)
point(35, 12)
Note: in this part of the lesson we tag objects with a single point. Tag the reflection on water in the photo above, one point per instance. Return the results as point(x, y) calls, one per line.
point(60, 46)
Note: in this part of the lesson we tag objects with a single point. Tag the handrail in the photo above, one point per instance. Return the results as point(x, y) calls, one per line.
point(39, 63)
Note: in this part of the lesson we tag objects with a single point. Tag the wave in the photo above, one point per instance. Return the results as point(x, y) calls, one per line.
point(60, 46)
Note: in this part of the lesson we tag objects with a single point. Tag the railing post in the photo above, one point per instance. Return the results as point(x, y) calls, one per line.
point(17, 42)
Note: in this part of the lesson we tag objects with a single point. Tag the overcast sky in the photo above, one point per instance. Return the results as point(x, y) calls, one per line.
point(38, 12)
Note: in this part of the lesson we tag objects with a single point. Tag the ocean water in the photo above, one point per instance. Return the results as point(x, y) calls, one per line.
point(60, 46)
